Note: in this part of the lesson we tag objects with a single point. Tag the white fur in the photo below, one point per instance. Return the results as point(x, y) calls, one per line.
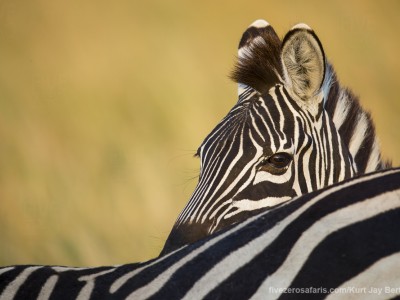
point(328, 81)
point(247, 51)
point(259, 24)
point(301, 26)
point(248, 204)
point(342, 109)
point(266, 176)
point(384, 287)
point(48, 288)
point(358, 134)
point(241, 88)
point(374, 158)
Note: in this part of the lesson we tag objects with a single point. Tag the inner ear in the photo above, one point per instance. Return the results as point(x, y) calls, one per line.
point(303, 60)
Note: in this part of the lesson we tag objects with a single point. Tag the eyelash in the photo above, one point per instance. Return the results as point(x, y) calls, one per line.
point(276, 163)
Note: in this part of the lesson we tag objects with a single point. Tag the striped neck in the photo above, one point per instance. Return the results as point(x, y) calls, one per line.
point(354, 124)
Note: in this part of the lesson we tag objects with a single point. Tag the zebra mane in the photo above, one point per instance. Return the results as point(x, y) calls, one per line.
point(259, 64)
point(353, 123)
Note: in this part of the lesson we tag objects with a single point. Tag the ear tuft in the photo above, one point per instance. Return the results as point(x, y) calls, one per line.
point(303, 60)
point(259, 63)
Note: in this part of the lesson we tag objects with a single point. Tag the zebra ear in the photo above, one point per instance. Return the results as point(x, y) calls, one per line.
point(258, 64)
point(303, 61)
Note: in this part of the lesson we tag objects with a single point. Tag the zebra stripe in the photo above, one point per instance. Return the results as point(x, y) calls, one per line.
point(290, 108)
point(290, 105)
point(342, 237)
point(48, 288)
point(12, 288)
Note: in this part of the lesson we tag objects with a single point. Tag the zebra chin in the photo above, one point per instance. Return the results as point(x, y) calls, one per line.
point(188, 233)
point(185, 233)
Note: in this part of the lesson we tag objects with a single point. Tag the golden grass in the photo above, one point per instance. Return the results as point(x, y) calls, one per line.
point(102, 106)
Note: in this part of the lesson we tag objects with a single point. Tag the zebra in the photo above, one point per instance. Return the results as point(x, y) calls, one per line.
point(336, 242)
point(294, 129)
point(280, 241)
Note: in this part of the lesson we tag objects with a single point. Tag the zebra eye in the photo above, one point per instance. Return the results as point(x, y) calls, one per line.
point(276, 163)
point(279, 160)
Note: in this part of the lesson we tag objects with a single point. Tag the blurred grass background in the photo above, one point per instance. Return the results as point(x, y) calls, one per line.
point(103, 104)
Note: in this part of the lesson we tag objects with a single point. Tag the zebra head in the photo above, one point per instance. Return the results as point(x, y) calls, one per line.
point(292, 131)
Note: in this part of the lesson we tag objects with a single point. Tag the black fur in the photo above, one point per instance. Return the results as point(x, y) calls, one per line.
point(260, 67)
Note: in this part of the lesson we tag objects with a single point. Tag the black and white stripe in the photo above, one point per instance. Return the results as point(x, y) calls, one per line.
point(344, 237)
point(294, 131)
point(291, 106)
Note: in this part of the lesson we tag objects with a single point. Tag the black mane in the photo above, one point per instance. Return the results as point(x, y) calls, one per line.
point(260, 65)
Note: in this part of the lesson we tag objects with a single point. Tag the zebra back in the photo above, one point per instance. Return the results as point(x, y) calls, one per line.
point(342, 239)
